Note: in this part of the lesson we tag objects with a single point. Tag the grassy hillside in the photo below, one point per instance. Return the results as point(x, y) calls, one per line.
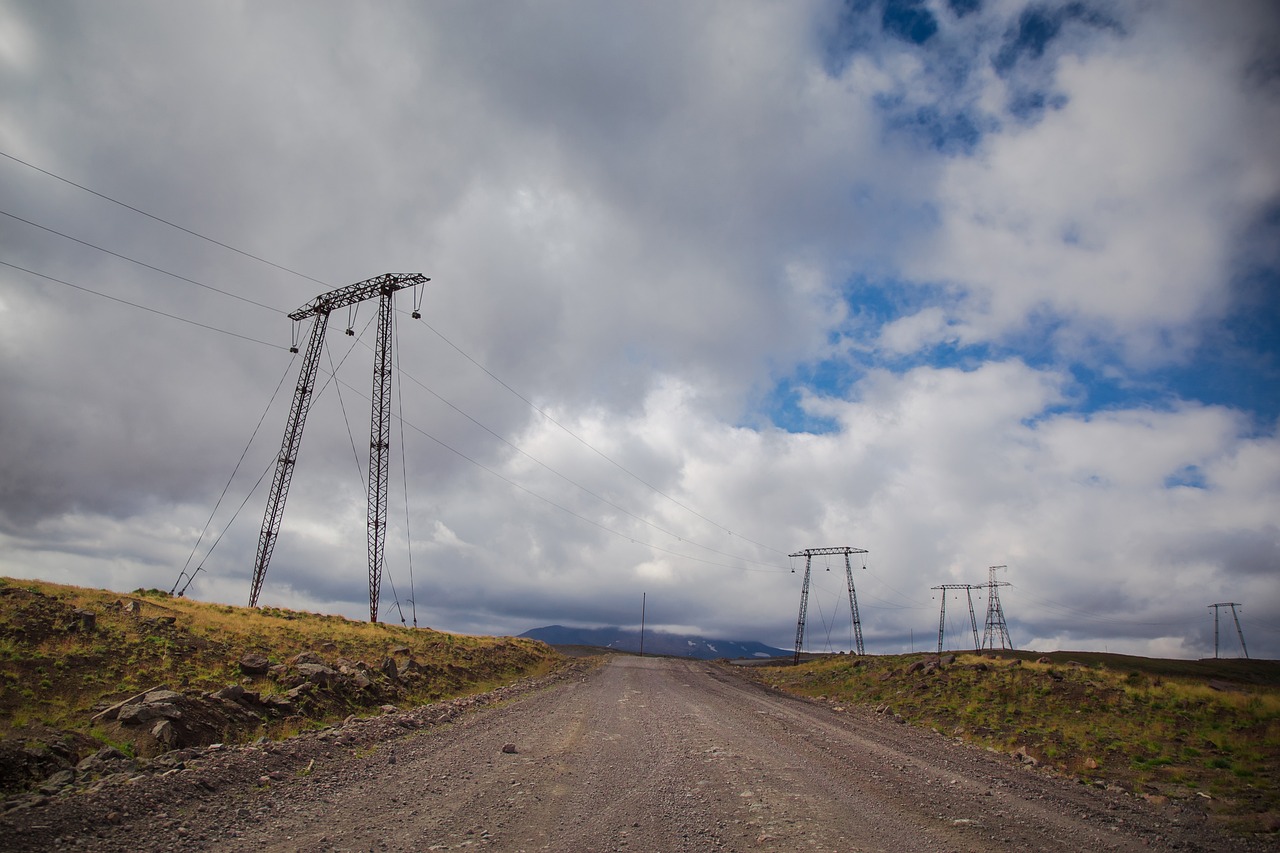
point(1205, 730)
point(67, 653)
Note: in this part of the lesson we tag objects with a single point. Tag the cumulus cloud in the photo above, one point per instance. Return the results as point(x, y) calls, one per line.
point(662, 238)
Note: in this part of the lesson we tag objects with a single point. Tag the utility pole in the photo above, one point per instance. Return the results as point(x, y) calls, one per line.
point(383, 287)
point(809, 554)
point(643, 599)
point(973, 620)
point(995, 628)
point(1233, 605)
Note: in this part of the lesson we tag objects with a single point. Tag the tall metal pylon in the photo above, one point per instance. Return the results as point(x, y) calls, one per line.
point(809, 554)
point(383, 287)
point(995, 628)
point(942, 610)
point(1233, 605)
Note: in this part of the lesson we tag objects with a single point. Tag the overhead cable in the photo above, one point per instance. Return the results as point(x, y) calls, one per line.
point(144, 307)
point(161, 219)
point(141, 263)
point(592, 447)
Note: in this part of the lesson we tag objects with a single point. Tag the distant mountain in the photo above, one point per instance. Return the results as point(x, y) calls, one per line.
point(655, 642)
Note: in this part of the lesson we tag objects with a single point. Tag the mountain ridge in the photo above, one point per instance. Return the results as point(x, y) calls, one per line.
point(655, 642)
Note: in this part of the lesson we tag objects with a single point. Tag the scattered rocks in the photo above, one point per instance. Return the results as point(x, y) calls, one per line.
point(509, 748)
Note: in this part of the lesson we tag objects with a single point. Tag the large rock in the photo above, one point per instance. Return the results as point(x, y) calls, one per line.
point(254, 664)
point(306, 657)
point(318, 673)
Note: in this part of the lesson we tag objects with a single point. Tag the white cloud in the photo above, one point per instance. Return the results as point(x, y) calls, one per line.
point(1118, 212)
point(641, 219)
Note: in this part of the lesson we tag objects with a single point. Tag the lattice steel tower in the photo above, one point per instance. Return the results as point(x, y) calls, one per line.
point(995, 629)
point(383, 287)
point(942, 610)
point(809, 554)
point(1239, 631)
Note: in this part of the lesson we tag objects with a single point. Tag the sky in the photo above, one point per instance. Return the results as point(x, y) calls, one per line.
point(959, 283)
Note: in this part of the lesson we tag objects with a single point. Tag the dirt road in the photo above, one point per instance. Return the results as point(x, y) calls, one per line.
point(640, 754)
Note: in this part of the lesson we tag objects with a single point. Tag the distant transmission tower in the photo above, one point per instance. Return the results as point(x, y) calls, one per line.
point(995, 628)
point(1233, 605)
point(942, 610)
point(383, 287)
point(809, 554)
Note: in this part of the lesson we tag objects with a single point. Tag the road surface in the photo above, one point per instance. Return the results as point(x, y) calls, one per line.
point(637, 754)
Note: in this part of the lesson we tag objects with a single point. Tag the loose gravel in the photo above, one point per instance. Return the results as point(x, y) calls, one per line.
point(635, 754)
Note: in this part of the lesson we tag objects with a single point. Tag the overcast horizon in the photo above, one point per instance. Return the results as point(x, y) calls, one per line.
point(958, 282)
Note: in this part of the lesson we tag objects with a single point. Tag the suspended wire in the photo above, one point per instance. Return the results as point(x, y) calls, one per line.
point(404, 465)
point(144, 307)
point(143, 263)
point(283, 268)
point(162, 220)
point(918, 604)
point(1084, 615)
point(271, 463)
point(235, 471)
point(355, 454)
point(817, 599)
point(563, 508)
point(236, 514)
point(574, 483)
point(592, 447)
point(395, 598)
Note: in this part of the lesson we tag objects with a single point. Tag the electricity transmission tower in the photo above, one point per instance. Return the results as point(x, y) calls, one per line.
point(383, 287)
point(942, 610)
point(995, 629)
point(1233, 605)
point(809, 554)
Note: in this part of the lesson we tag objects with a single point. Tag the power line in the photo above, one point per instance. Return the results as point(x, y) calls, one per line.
point(234, 471)
point(143, 307)
point(161, 219)
point(283, 268)
point(140, 263)
point(592, 447)
point(558, 506)
point(576, 484)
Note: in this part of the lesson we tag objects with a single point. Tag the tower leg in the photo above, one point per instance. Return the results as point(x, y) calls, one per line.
point(973, 620)
point(379, 450)
point(804, 608)
point(853, 604)
point(1239, 632)
point(942, 618)
point(287, 460)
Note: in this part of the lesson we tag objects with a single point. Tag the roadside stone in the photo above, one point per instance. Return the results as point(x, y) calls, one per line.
point(254, 664)
point(318, 673)
point(509, 748)
point(165, 733)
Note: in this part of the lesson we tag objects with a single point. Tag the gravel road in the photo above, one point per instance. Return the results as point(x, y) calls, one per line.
point(637, 754)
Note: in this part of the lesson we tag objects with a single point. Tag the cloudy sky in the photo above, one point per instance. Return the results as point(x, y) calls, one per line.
point(958, 282)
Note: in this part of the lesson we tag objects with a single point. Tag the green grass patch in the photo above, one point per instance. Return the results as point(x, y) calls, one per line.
point(1156, 726)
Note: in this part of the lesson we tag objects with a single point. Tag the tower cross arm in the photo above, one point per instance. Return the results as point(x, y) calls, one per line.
point(343, 296)
point(818, 552)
